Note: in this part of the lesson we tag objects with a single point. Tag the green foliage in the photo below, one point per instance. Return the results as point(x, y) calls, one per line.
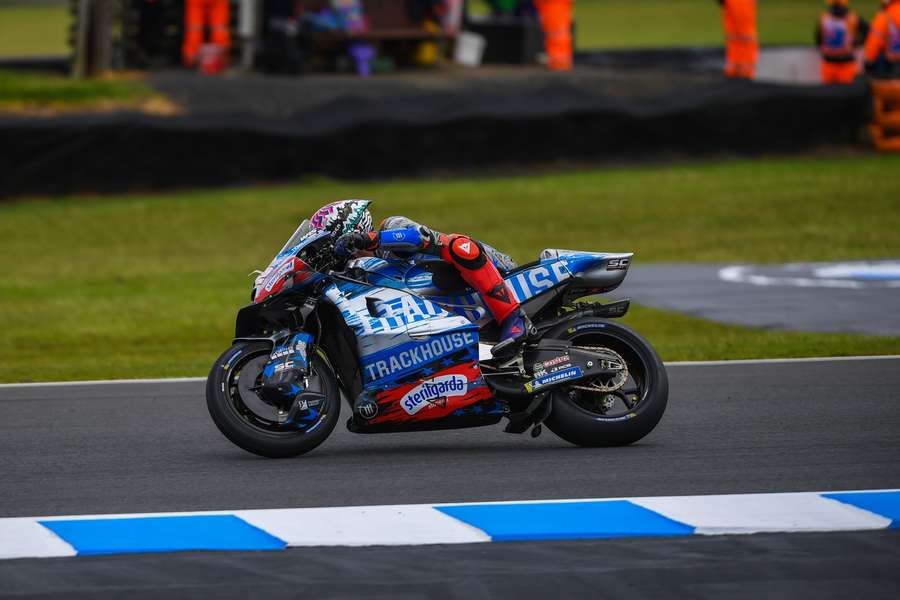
point(661, 23)
point(39, 30)
point(37, 91)
point(147, 285)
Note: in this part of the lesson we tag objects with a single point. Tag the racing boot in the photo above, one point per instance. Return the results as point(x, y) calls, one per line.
point(513, 332)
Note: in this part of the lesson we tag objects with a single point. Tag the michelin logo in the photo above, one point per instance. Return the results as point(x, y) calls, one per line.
point(420, 355)
point(553, 378)
point(427, 392)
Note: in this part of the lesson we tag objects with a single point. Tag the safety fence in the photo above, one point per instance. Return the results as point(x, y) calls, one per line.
point(419, 131)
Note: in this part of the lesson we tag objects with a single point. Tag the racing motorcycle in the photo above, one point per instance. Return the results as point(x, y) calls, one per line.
point(407, 345)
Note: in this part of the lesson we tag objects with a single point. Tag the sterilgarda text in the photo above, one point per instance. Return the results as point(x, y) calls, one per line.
point(430, 391)
point(420, 355)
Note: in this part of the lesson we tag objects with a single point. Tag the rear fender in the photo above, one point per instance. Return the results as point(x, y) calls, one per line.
point(595, 272)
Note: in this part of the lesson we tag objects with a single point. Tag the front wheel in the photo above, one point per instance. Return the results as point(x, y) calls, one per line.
point(618, 410)
point(257, 426)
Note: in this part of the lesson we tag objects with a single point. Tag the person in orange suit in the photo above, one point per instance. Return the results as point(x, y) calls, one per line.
point(199, 14)
point(741, 44)
point(839, 32)
point(884, 39)
point(556, 20)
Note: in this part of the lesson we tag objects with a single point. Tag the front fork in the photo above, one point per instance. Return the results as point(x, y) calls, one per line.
point(285, 377)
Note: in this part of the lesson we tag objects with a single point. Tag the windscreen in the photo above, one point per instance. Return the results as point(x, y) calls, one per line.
point(301, 231)
point(302, 236)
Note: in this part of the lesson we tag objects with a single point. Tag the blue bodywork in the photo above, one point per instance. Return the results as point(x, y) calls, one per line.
point(284, 376)
point(525, 283)
point(407, 329)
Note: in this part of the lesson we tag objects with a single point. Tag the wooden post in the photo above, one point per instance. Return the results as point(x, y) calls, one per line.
point(248, 28)
point(80, 58)
point(101, 34)
point(93, 38)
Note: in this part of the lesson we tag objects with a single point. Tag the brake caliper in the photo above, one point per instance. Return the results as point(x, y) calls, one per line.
point(284, 378)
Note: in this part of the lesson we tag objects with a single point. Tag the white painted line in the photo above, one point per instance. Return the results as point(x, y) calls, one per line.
point(775, 361)
point(685, 363)
point(103, 382)
point(363, 526)
point(25, 537)
point(759, 513)
point(743, 274)
point(739, 274)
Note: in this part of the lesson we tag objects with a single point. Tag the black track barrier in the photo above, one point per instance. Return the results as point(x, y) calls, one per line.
point(410, 130)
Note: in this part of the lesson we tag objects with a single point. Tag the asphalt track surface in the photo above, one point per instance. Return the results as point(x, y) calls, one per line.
point(776, 427)
point(125, 448)
point(789, 296)
point(823, 566)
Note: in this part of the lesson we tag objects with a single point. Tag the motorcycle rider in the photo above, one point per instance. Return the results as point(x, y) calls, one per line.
point(350, 224)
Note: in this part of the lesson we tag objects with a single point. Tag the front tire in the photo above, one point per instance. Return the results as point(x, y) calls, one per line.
point(251, 424)
point(573, 418)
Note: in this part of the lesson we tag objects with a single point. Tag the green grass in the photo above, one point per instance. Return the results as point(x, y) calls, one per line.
point(34, 30)
point(34, 91)
point(660, 23)
point(148, 285)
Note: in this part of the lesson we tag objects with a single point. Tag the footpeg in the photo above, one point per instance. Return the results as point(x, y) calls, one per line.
point(519, 422)
point(534, 415)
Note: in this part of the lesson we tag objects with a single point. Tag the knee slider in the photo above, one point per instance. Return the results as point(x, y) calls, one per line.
point(467, 253)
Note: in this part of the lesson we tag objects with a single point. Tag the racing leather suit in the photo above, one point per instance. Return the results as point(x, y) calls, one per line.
point(478, 263)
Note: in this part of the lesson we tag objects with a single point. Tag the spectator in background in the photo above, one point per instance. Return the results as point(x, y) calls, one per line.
point(839, 32)
point(556, 20)
point(199, 14)
point(741, 44)
point(882, 51)
point(282, 51)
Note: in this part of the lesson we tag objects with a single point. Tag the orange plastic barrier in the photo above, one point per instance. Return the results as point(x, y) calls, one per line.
point(885, 129)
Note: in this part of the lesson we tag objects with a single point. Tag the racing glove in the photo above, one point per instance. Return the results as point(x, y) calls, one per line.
point(350, 243)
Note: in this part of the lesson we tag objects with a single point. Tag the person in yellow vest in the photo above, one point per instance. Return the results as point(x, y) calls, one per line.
point(883, 43)
point(556, 21)
point(839, 32)
point(741, 44)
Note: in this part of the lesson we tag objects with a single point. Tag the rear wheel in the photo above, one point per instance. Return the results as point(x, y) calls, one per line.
point(257, 426)
point(615, 410)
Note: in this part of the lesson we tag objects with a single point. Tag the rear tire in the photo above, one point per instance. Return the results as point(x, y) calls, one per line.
point(225, 404)
point(574, 423)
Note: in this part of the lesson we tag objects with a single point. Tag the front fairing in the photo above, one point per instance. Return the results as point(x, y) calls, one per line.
point(287, 270)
